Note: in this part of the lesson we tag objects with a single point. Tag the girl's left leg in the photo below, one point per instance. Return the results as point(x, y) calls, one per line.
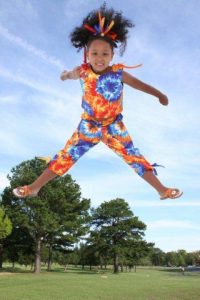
point(150, 178)
point(116, 137)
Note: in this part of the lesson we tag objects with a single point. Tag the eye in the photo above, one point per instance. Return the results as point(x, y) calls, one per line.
point(105, 54)
point(94, 53)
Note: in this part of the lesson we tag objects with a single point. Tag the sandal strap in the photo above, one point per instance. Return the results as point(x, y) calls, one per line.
point(171, 193)
point(24, 191)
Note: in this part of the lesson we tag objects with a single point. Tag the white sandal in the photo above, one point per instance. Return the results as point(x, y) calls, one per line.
point(23, 192)
point(171, 194)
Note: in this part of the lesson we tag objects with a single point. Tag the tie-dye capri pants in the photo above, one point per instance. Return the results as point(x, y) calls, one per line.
point(88, 134)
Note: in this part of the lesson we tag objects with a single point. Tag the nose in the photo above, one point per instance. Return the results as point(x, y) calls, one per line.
point(100, 57)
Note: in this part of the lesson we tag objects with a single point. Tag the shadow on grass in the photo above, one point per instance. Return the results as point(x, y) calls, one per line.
point(84, 272)
point(15, 270)
point(58, 270)
point(170, 270)
point(178, 271)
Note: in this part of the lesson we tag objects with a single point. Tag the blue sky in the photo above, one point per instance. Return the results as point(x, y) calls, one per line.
point(39, 112)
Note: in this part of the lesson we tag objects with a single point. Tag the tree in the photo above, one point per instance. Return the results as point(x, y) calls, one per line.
point(19, 246)
point(74, 257)
point(190, 259)
point(88, 255)
point(63, 257)
point(136, 251)
point(157, 257)
point(182, 254)
point(57, 211)
point(171, 259)
point(99, 246)
point(117, 227)
point(197, 257)
point(5, 230)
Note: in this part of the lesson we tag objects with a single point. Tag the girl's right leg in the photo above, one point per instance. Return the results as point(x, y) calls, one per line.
point(85, 137)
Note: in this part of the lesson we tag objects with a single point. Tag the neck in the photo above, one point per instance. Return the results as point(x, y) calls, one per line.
point(100, 72)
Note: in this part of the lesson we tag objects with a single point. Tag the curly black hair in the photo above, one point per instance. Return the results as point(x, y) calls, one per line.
point(81, 36)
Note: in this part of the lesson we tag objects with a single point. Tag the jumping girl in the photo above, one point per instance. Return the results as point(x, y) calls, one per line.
point(102, 84)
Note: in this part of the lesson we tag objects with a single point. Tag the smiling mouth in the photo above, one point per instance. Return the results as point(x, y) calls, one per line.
point(99, 65)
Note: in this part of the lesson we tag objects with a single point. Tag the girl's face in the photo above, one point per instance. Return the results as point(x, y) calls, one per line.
point(99, 54)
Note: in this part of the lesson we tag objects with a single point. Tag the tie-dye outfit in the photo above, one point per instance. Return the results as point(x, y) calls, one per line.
point(101, 121)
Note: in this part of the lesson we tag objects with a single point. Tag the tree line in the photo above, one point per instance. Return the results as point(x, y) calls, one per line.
point(60, 226)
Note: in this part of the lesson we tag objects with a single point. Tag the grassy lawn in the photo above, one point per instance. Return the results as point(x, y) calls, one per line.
point(75, 284)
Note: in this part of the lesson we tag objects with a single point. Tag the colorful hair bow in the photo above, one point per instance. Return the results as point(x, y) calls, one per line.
point(100, 30)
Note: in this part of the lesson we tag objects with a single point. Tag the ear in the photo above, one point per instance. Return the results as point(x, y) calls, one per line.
point(87, 55)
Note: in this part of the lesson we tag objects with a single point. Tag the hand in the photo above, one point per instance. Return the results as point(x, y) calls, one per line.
point(64, 75)
point(163, 99)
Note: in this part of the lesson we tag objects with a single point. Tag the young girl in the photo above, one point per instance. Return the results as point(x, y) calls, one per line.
point(102, 85)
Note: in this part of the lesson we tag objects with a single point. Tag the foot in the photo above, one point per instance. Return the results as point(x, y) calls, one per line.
point(24, 191)
point(171, 194)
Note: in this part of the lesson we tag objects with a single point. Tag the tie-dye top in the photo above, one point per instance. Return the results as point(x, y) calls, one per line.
point(102, 93)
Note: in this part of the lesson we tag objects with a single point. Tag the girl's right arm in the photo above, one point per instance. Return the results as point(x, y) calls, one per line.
point(74, 74)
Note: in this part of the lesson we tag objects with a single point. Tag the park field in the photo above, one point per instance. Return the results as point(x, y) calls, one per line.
point(75, 284)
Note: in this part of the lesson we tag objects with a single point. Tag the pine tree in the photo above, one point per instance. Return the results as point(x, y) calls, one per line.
point(5, 230)
point(116, 227)
point(57, 213)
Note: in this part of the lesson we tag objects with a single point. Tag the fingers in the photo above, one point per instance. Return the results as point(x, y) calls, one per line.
point(163, 100)
point(63, 75)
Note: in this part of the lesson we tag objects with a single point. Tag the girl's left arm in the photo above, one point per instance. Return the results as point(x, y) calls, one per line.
point(139, 85)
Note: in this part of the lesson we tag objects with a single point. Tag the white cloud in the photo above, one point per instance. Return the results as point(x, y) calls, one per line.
point(172, 224)
point(166, 203)
point(175, 242)
point(117, 180)
point(73, 9)
point(8, 74)
point(166, 134)
point(8, 99)
point(3, 181)
point(19, 42)
point(24, 134)
point(172, 235)
point(20, 8)
point(11, 144)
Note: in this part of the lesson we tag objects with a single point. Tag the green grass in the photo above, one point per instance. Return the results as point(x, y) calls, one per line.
point(75, 284)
